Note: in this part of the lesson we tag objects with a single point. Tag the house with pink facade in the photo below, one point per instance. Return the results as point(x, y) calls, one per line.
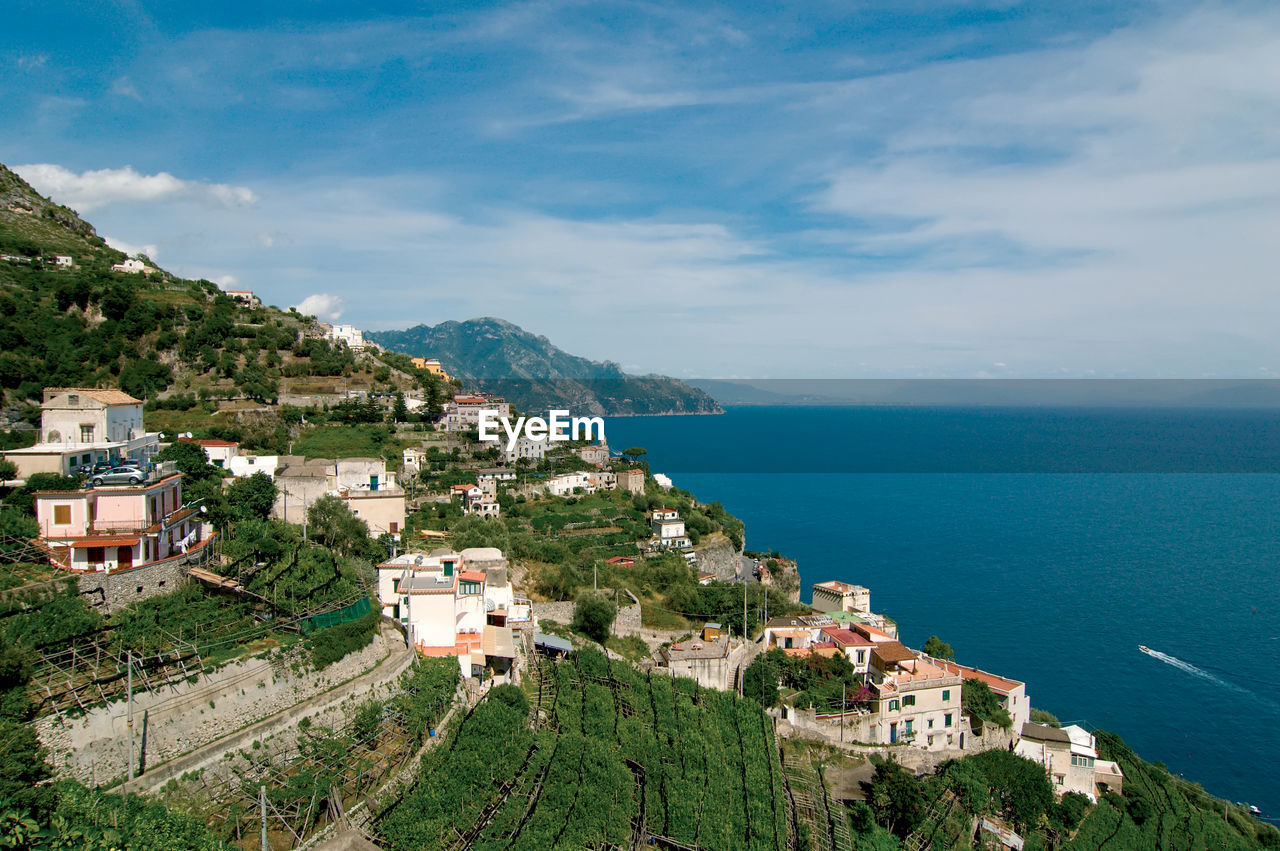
point(109, 528)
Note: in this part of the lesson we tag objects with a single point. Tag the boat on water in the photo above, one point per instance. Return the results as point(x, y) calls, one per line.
point(1144, 648)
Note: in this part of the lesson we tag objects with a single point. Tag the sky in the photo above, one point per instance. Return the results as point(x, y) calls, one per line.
point(855, 189)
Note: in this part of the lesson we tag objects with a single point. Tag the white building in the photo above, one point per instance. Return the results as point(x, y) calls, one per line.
point(64, 261)
point(81, 426)
point(349, 335)
point(450, 607)
point(414, 459)
point(246, 465)
point(245, 297)
point(132, 266)
point(668, 528)
point(219, 452)
point(915, 701)
point(531, 450)
point(1012, 694)
point(566, 484)
point(1070, 758)
point(462, 412)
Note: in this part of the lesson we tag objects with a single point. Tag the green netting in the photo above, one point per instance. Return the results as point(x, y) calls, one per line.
point(356, 610)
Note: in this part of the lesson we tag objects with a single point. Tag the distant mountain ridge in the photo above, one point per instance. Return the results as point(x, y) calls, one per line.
point(497, 356)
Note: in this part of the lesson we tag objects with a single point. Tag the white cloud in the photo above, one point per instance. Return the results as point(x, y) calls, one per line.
point(150, 249)
point(124, 87)
point(31, 61)
point(92, 189)
point(322, 306)
point(226, 281)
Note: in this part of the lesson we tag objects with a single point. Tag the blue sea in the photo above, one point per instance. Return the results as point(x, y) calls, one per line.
point(1042, 544)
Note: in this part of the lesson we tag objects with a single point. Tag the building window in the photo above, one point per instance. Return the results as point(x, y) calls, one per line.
point(97, 555)
point(62, 515)
point(907, 726)
point(946, 694)
point(909, 700)
point(893, 706)
point(1081, 761)
point(395, 585)
point(73, 400)
point(946, 720)
point(394, 526)
point(930, 723)
point(1061, 778)
point(862, 656)
point(86, 434)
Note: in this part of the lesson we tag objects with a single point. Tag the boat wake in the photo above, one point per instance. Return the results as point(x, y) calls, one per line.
point(1183, 665)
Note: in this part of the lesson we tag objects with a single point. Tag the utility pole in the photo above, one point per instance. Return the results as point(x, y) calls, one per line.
point(129, 665)
point(842, 705)
point(262, 815)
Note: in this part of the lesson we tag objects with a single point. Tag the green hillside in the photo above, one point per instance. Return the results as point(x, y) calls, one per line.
point(182, 345)
point(499, 357)
point(612, 758)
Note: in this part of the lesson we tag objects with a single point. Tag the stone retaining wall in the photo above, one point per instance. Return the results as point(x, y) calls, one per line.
point(93, 748)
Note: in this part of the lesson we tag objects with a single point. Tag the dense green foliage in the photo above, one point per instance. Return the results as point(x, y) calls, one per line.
point(979, 701)
point(1173, 813)
point(332, 643)
point(938, 649)
point(593, 616)
point(821, 682)
point(701, 765)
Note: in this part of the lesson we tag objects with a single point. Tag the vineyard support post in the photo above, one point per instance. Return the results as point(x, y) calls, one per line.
point(129, 665)
point(262, 816)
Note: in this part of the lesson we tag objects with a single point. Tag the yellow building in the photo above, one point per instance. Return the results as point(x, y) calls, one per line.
point(431, 365)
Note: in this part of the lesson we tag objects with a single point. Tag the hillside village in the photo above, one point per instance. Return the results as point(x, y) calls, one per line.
point(260, 574)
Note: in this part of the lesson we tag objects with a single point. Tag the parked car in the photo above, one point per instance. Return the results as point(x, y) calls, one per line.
point(103, 466)
point(120, 476)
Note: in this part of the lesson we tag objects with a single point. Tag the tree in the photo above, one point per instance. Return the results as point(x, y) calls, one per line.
point(252, 497)
point(8, 470)
point(333, 525)
point(593, 616)
point(1019, 786)
point(399, 411)
point(897, 798)
point(190, 459)
point(979, 701)
point(938, 649)
point(633, 453)
point(1042, 716)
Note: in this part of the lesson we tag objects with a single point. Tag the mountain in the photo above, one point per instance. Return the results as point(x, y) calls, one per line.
point(529, 371)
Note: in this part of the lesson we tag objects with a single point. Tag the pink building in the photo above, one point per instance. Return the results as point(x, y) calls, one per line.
point(116, 528)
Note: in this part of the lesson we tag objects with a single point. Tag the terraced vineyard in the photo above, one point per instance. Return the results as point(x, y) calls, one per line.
point(602, 756)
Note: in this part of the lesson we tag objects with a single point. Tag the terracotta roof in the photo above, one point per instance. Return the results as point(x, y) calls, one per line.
point(104, 541)
point(1000, 685)
point(847, 637)
point(105, 396)
point(892, 651)
point(471, 576)
point(827, 650)
point(208, 442)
